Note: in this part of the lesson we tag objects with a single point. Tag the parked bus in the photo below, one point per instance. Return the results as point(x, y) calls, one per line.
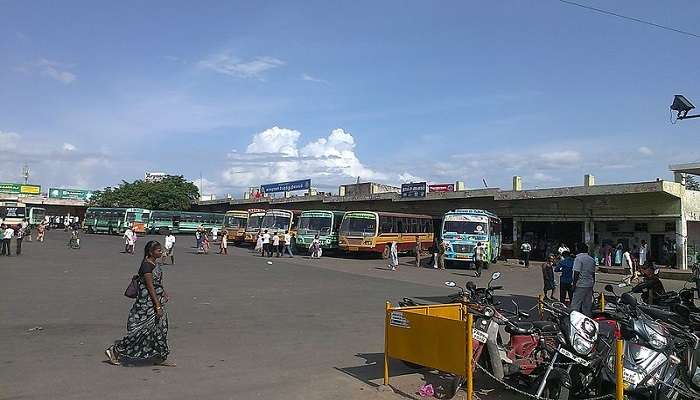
point(235, 223)
point(323, 223)
point(253, 225)
point(36, 215)
point(279, 221)
point(137, 219)
point(369, 231)
point(104, 220)
point(462, 229)
point(163, 221)
point(12, 212)
point(191, 220)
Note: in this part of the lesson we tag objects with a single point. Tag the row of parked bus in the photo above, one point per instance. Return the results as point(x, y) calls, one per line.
point(13, 212)
point(348, 231)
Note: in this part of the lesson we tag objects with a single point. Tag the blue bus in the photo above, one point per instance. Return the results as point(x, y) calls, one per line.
point(462, 229)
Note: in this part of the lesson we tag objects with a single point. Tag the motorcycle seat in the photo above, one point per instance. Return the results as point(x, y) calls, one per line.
point(530, 327)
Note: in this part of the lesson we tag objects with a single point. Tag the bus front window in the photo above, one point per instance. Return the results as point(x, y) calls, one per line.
point(465, 227)
point(255, 222)
point(281, 222)
point(314, 225)
point(358, 226)
point(130, 217)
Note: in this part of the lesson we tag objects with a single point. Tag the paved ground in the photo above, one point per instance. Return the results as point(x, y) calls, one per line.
point(240, 328)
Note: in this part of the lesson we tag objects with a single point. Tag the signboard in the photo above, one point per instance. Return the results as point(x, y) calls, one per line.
point(442, 187)
point(413, 189)
point(286, 186)
point(19, 188)
point(73, 194)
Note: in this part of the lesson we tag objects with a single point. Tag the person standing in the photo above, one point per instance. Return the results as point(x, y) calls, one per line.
point(18, 240)
point(259, 244)
point(7, 233)
point(418, 250)
point(607, 255)
point(316, 247)
point(442, 249)
point(276, 245)
point(223, 246)
point(566, 280)
point(584, 280)
point(147, 326)
point(26, 230)
point(129, 241)
point(40, 231)
point(643, 252)
point(525, 250)
point(479, 258)
point(618, 254)
point(548, 276)
point(169, 248)
point(214, 233)
point(267, 251)
point(287, 244)
point(394, 256)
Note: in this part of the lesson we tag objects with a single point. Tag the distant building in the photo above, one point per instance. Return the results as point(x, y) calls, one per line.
point(155, 176)
point(366, 188)
point(207, 197)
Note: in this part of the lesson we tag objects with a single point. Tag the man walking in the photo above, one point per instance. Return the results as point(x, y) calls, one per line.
point(418, 249)
point(7, 233)
point(566, 280)
point(442, 249)
point(18, 241)
point(170, 248)
point(287, 244)
point(584, 280)
point(478, 258)
point(525, 250)
point(266, 244)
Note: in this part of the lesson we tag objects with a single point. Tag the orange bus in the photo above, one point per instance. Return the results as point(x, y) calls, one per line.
point(370, 231)
point(235, 223)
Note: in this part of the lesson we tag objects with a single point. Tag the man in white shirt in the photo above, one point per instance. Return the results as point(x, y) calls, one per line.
point(267, 249)
point(276, 244)
point(7, 234)
point(287, 244)
point(525, 250)
point(170, 248)
point(129, 241)
point(584, 280)
point(643, 251)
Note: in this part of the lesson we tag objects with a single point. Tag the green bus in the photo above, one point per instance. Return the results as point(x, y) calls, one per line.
point(191, 220)
point(104, 220)
point(323, 223)
point(36, 215)
point(164, 221)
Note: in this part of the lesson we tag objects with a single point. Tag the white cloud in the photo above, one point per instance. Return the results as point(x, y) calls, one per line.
point(225, 63)
point(407, 177)
point(56, 71)
point(307, 77)
point(69, 147)
point(565, 157)
point(274, 155)
point(8, 140)
point(542, 177)
point(645, 151)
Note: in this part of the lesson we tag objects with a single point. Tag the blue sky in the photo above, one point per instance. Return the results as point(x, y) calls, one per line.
point(256, 92)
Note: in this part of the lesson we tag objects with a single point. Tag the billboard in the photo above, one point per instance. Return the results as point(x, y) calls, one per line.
point(441, 187)
point(72, 194)
point(19, 188)
point(413, 189)
point(286, 186)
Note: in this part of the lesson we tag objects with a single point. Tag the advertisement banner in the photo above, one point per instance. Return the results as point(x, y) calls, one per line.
point(442, 187)
point(71, 194)
point(286, 186)
point(413, 189)
point(19, 188)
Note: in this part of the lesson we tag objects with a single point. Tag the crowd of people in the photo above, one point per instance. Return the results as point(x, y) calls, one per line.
point(18, 233)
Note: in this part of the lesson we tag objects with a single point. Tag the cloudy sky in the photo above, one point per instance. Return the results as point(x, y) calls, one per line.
point(248, 93)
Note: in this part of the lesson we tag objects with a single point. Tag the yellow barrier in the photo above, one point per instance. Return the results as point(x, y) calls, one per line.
point(619, 384)
point(435, 336)
point(602, 302)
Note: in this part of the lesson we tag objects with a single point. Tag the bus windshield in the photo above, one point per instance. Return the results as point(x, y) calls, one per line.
point(235, 222)
point(276, 221)
point(254, 221)
point(130, 217)
point(465, 227)
point(358, 226)
point(315, 224)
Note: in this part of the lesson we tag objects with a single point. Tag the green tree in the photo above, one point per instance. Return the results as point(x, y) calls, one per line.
point(692, 183)
point(171, 193)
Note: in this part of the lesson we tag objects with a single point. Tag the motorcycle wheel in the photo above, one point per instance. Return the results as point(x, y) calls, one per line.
point(554, 389)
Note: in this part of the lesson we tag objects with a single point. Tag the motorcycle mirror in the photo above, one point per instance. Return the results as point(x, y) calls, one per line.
point(450, 284)
point(628, 299)
point(609, 288)
point(495, 275)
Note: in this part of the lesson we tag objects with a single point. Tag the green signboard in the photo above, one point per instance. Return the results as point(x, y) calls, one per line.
point(72, 194)
point(19, 188)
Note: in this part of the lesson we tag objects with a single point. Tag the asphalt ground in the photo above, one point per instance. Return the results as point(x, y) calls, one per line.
point(240, 328)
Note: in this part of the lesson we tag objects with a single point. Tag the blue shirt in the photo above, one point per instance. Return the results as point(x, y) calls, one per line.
point(566, 267)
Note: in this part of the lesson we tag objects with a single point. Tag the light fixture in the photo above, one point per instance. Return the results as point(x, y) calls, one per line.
point(682, 105)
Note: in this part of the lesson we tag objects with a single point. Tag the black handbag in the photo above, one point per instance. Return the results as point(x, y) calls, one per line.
point(132, 291)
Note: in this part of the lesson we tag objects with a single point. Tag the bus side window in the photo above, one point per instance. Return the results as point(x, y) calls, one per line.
point(385, 224)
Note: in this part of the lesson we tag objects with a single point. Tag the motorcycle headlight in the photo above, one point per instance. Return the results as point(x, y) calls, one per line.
point(488, 312)
point(696, 377)
point(583, 332)
point(581, 345)
point(656, 336)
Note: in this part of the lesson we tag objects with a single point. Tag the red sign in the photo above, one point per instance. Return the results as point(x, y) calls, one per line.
point(444, 187)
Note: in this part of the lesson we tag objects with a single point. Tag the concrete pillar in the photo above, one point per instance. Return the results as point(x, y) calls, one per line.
point(517, 230)
point(589, 234)
point(459, 186)
point(679, 177)
point(517, 184)
point(588, 180)
point(341, 190)
point(682, 243)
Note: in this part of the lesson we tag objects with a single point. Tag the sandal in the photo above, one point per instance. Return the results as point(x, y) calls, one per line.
point(111, 355)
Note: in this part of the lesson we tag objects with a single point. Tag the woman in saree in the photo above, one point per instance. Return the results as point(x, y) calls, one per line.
point(146, 340)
